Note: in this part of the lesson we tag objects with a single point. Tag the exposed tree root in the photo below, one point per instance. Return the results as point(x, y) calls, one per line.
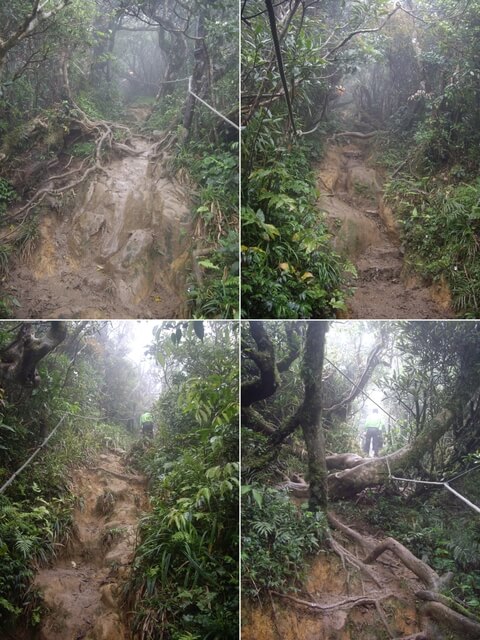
point(425, 573)
point(439, 612)
point(347, 556)
point(348, 603)
point(431, 596)
point(103, 133)
point(351, 533)
point(439, 608)
point(456, 622)
point(374, 599)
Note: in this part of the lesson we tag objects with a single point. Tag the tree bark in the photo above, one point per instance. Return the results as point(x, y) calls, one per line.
point(267, 383)
point(348, 483)
point(199, 73)
point(310, 414)
point(18, 361)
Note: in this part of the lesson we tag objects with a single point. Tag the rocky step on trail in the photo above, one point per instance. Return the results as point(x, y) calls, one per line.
point(366, 233)
point(81, 590)
point(116, 247)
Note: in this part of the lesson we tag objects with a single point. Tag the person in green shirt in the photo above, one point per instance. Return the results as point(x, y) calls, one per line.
point(373, 433)
point(146, 423)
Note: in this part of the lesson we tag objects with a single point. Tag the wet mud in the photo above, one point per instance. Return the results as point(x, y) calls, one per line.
point(365, 231)
point(81, 591)
point(119, 250)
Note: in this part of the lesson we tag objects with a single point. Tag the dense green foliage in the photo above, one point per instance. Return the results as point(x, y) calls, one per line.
point(441, 229)
point(290, 270)
point(278, 539)
point(184, 582)
point(213, 291)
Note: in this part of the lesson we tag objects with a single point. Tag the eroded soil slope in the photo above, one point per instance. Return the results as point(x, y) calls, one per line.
point(81, 590)
point(365, 231)
point(342, 599)
point(120, 251)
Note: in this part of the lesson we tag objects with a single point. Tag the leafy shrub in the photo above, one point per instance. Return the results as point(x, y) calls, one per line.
point(7, 195)
point(216, 171)
point(82, 149)
point(289, 269)
point(185, 571)
point(277, 539)
point(441, 227)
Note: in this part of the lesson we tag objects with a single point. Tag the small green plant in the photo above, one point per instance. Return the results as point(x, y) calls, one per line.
point(7, 195)
point(82, 149)
point(277, 540)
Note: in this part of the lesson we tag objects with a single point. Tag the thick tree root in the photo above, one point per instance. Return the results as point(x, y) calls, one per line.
point(425, 573)
point(466, 628)
point(347, 556)
point(440, 609)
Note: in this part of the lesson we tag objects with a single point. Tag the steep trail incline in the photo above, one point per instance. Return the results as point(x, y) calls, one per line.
point(81, 589)
point(342, 599)
point(119, 250)
point(365, 232)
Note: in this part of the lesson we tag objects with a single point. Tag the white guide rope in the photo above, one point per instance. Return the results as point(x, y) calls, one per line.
point(438, 484)
point(34, 454)
point(210, 106)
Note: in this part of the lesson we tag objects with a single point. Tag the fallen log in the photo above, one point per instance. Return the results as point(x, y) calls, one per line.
point(343, 461)
point(376, 471)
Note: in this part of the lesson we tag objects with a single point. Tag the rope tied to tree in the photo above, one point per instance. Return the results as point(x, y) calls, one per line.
point(209, 106)
point(34, 454)
point(438, 484)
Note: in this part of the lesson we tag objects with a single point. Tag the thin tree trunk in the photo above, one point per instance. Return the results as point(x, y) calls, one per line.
point(311, 414)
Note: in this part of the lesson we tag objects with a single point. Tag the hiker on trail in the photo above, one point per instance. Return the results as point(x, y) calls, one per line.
point(373, 433)
point(146, 422)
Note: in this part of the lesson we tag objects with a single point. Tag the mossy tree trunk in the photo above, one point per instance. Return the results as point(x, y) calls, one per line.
point(311, 413)
point(19, 359)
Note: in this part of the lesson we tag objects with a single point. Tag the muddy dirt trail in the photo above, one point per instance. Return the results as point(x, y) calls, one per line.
point(365, 231)
point(118, 250)
point(81, 589)
point(341, 601)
